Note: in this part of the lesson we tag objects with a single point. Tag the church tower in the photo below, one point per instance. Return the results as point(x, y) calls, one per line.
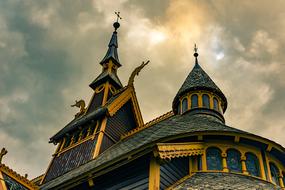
point(112, 111)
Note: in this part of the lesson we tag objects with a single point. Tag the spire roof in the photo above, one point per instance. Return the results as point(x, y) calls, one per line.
point(198, 79)
point(112, 53)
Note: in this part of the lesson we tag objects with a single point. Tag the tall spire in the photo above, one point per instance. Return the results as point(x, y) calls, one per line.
point(112, 53)
point(110, 69)
point(196, 54)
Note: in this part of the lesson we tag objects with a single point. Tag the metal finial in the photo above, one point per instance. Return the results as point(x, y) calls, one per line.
point(118, 16)
point(195, 51)
point(117, 24)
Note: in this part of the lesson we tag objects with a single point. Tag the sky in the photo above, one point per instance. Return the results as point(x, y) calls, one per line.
point(50, 52)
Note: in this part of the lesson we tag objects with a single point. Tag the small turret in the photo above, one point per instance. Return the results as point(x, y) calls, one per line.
point(199, 94)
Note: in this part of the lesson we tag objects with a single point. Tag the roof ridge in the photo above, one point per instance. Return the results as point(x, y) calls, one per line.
point(14, 174)
point(148, 124)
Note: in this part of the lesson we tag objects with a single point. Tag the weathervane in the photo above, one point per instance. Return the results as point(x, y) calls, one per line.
point(118, 16)
point(117, 24)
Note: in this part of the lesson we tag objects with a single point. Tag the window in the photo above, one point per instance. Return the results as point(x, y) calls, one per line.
point(274, 173)
point(184, 105)
point(216, 104)
point(233, 160)
point(206, 101)
point(214, 159)
point(194, 101)
point(252, 164)
point(179, 108)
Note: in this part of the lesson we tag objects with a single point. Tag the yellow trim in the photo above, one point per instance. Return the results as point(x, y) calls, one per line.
point(175, 150)
point(278, 164)
point(148, 124)
point(105, 97)
point(74, 145)
point(96, 91)
point(200, 103)
point(243, 165)
point(2, 182)
point(128, 94)
point(200, 100)
point(17, 177)
point(224, 162)
point(100, 138)
point(154, 174)
point(90, 182)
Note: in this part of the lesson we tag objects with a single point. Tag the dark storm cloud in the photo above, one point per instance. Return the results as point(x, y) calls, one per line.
point(50, 50)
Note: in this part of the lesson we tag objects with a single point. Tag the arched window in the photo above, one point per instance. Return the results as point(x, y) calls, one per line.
point(194, 101)
point(233, 160)
point(252, 164)
point(274, 173)
point(206, 101)
point(216, 104)
point(214, 159)
point(179, 108)
point(184, 105)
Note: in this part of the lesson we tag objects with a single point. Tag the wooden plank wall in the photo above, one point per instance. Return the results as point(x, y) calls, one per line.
point(172, 171)
point(70, 159)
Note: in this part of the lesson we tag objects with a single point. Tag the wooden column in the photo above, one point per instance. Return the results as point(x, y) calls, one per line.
point(154, 174)
point(224, 161)
point(243, 165)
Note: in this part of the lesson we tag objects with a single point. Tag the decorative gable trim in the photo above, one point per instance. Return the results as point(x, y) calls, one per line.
point(176, 150)
point(128, 94)
point(17, 177)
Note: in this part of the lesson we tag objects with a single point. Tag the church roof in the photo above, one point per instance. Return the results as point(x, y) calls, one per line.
point(230, 181)
point(112, 51)
point(77, 122)
point(104, 76)
point(198, 79)
point(74, 124)
point(170, 127)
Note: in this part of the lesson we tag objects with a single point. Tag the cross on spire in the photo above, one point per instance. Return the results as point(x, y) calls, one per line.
point(117, 24)
point(118, 16)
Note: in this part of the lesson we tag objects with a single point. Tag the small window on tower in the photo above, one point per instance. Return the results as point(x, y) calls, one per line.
point(214, 159)
point(274, 173)
point(234, 160)
point(184, 105)
point(252, 164)
point(206, 101)
point(216, 104)
point(194, 101)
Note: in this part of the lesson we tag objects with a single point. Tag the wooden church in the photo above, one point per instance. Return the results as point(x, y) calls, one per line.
point(108, 146)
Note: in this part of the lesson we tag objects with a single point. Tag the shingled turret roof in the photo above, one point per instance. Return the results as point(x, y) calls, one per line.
point(198, 79)
point(112, 53)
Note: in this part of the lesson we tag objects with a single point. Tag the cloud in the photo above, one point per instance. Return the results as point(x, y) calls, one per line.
point(50, 50)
